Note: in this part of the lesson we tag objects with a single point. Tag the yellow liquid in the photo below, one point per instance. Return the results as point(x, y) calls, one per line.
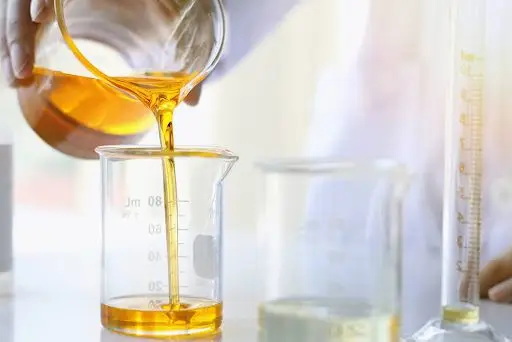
point(138, 316)
point(162, 95)
point(461, 314)
point(329, 320)
point(75, 114)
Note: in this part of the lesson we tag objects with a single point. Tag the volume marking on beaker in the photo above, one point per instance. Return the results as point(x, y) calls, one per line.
point(155, 304)
point(155, 201)
point(132, 203)
point(154, 256)
point(156, 286)
point(128, 214)
point(154, 229)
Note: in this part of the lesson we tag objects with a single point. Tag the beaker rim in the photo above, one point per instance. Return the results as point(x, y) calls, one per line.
point(341, 167)
point(149, 152)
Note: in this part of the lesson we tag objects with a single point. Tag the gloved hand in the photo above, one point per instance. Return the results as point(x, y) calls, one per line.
point(496, 279)
point(18, 27)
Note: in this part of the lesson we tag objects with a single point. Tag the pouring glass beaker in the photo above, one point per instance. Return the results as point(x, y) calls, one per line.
point(140, 275)
point(169, 44)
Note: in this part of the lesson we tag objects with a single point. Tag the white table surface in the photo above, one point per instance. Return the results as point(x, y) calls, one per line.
point(56, 287)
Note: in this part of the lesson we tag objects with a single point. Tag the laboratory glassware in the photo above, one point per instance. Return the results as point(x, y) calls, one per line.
point(462, 211)
point(136, 285)
point(329, 243)
point(66, 103)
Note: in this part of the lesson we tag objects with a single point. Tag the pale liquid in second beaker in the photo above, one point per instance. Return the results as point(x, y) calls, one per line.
point(326, 320)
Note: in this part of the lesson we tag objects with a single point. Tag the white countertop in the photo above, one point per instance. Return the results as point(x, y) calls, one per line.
point(56, 287)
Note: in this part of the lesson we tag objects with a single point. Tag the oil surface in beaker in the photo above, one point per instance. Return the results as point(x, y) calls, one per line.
point(326, 320)
point(151, 317)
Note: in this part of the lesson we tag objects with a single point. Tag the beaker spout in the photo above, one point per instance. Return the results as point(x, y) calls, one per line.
point(228, 165)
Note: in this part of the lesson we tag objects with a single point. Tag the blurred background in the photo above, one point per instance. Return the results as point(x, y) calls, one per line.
point(261, 108)
point(295, 87)
point(264, 107)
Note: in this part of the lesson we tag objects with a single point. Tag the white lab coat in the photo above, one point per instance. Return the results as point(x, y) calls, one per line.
point(404, 120)
point(408, 125)
point(390, 104)
point(249, 22)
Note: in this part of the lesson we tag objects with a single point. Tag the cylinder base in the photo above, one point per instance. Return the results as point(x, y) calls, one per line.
point(151, 316)
point(434, 331)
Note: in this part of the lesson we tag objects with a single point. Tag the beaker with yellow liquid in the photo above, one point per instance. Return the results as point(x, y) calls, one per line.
point(156, 50)
point(141, 296)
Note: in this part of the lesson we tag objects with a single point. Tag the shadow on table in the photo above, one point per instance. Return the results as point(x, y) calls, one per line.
point(108, 336)
point(6, 321)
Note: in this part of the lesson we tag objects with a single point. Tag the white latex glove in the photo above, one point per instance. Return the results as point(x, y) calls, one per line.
point(496, 279)
point(20, 19)
point(18, 27)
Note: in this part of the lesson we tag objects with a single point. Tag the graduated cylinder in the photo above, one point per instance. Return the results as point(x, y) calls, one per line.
point(464, 166)
point(329, 244)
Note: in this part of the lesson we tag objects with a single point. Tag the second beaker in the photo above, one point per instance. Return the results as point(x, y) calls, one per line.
point(160, 280)
point(330, 251)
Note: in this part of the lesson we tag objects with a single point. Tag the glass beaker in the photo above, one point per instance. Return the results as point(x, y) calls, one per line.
point(145, 265)
point(170, 45)
point(330, 246)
